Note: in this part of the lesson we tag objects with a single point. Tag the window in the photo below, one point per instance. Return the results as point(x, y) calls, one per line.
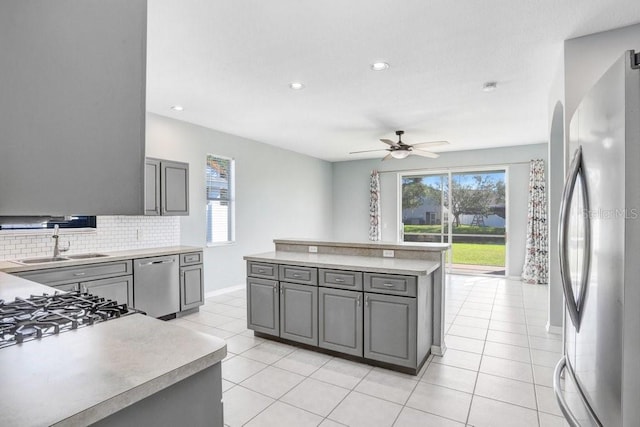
point(220, 199)
point(45, 222)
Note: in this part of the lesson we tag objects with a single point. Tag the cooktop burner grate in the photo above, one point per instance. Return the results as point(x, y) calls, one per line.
point(38, 316)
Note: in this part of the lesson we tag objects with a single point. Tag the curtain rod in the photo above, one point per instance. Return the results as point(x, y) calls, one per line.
point(456, 168)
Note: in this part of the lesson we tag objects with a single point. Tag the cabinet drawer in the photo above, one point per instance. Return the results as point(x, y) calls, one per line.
point(191, 258)
point(340, 279)
point(263, 270)
point(298, 274)
point(62, 275)
point(390, 284)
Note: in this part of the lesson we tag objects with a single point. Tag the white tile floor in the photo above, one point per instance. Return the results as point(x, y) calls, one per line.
point(497, 371)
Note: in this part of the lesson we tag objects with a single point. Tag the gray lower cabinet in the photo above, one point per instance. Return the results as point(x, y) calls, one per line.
point(263, 306)
point(191, 287)
point(340, 321)
point(382, 318)
point(118, 289)
point(299, 313)
point(390, 329)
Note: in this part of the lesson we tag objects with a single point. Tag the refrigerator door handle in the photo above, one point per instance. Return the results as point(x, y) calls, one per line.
point(574, 306)
point(564, 407)
point(568, 415)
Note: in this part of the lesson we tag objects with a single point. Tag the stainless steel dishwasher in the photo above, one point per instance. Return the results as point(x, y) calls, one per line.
point(156, 285)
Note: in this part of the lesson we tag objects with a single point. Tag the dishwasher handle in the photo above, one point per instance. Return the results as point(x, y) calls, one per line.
point(164, 261)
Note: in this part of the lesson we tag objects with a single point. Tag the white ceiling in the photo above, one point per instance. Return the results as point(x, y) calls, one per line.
point(229, 64)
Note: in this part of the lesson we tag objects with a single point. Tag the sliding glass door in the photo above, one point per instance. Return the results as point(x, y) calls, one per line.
point(466, 208)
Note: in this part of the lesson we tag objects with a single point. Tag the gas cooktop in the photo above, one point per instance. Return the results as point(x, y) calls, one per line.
point(40, 316)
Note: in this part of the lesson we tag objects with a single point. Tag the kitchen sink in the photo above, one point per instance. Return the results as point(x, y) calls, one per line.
point(42, 260)
point(86, 256)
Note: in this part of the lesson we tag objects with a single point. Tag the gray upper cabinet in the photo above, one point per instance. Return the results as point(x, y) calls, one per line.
point(152, 187)
point(263, 306)
point(166, 187)
point(72, 109)
point(340, 320)
point(299, 313)
point(390, 329)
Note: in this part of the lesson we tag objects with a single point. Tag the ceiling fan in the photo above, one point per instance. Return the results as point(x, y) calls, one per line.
point(400, 150)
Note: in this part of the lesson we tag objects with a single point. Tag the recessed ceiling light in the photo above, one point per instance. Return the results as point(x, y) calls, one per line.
point(489, 86)
point(379, 66)
point(296, 85)
point(177, 107)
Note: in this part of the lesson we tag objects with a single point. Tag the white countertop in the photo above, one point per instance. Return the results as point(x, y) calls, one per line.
point(81, 376)
point(408, 246)
point(16, 267)
point(349, 262)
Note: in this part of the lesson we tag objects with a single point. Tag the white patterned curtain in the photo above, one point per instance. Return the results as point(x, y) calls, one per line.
point(536, 261)
point(374, 206)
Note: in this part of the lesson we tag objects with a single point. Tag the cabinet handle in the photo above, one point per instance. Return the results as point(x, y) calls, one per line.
point(82, 273)
point(84, 289)
point(358, 300)
point(388, 285)
point(282, 290)
point(366, 301)
point(275, 289)
point(339, 280)
point(260, 270)
point(296, 275)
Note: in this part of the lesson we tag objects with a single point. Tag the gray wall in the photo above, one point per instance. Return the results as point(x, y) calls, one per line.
point(351, 192)
point(585, 60)
point(279, 194)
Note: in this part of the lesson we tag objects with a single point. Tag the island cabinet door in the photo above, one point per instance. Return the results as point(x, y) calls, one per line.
point(263, 306)
point(390, 329)
point(299, 313)
point(340, 320)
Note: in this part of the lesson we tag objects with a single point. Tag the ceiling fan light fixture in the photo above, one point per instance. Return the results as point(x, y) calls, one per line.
point(177, 107)
point(400, 154)
point(296, 85)
point(379, 66)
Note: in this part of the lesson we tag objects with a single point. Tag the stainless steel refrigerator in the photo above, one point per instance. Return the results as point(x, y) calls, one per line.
point(597, 382)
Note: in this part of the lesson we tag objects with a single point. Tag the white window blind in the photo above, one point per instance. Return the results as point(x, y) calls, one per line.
point(220, 199)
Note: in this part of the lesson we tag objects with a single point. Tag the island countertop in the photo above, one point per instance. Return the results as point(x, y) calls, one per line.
point(81, 376)
point(407, 246)
point(347, 262)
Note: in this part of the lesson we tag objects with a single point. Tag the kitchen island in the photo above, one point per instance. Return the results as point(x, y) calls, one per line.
point(377, 302)
point(134, 370)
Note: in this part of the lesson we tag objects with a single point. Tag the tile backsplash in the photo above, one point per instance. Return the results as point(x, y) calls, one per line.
point(112, 233)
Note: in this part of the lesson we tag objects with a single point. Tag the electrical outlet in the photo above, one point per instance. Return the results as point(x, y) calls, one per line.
point(139, 234)
point(313, 249)
point(388, 253)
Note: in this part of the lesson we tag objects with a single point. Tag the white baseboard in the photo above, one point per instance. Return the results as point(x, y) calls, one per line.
point(554, 329)
point(223, 291)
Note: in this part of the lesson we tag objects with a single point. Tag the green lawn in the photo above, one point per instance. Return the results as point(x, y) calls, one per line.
point(478, 254)
point(462, 229)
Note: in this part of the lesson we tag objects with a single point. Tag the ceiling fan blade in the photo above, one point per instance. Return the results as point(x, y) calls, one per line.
point(390, 142)
point(425, 153)
point(367, 151)
point(387, 157)
point(430, 144)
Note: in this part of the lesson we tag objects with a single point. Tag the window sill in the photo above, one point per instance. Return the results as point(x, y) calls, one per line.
point(212, 245)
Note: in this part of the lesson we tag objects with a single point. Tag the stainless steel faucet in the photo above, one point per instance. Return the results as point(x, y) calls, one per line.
point(55, 237)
